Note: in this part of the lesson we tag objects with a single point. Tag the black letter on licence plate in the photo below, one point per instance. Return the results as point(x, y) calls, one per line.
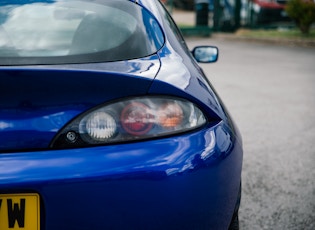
point(16, 213)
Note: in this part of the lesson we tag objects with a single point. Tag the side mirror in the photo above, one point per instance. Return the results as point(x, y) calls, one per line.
point(205, 54)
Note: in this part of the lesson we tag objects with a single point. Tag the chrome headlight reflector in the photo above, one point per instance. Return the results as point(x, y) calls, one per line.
point(97, 126)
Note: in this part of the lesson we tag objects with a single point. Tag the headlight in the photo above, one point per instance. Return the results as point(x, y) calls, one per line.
point(129, 120)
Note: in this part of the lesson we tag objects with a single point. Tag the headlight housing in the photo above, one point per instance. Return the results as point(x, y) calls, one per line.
point(130, 120)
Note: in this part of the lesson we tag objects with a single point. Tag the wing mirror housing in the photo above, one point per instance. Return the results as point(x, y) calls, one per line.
point(205, 54)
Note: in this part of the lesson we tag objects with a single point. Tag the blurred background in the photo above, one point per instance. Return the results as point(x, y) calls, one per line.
point(266, 77)
point(288, 19)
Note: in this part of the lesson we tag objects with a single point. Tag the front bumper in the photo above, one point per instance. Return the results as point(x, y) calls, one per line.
point(185, 182)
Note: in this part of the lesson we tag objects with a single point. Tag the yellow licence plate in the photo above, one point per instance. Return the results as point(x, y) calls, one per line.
point(20, 211)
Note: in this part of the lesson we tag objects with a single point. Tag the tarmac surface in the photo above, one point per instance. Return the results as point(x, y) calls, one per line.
point(269, 90)
point(268, 86)
point(183, 17)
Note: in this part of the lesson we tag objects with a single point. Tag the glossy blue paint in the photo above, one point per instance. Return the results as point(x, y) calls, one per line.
point(36, 103)
point(179, 77)
point(168, 156)
point(185, 181)
point(134, 181)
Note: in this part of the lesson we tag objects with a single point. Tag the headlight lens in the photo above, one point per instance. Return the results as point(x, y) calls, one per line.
point(137, 119)
point(128, 120)
point(98, 126)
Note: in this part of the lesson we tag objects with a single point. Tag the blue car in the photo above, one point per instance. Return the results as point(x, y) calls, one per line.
point(108, 122)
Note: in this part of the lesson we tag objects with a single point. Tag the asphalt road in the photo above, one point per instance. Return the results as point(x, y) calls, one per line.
point(270, 92)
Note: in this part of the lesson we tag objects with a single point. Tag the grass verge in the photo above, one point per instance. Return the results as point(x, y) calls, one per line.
point(281, 33)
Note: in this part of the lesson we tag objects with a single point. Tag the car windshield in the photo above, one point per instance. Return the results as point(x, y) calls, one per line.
point(61, 31)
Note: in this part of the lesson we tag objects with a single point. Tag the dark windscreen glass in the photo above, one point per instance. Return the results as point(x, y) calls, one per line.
point(54, 32)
